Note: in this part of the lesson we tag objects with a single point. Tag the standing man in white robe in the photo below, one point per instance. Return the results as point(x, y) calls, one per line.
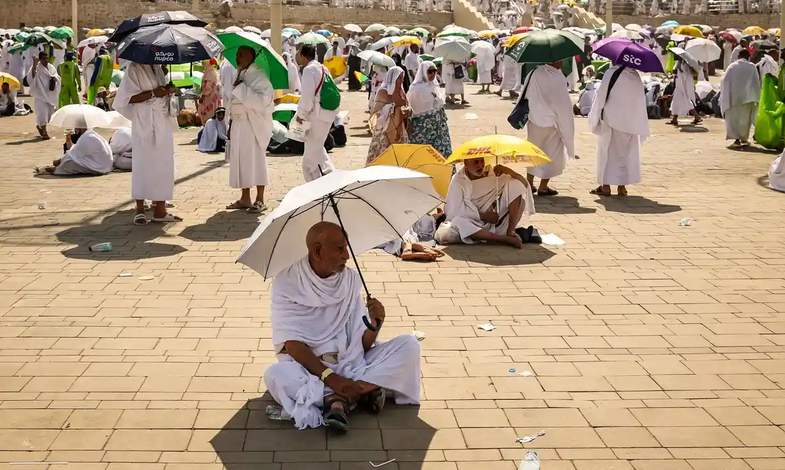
point(618, 116)
point(45, 88)
point(328, 360)
point(294, 74)
point(683, 103)
point(145, 99)
point(511, 76)
point(453, 86)
point(486, 205)
point(89, 54)
point(734, 56)
point(551, 126)
point(412, 61)
point(739, 95)
point(250, 131)
point(486, 60)
point(316, 161)
point(769, 64)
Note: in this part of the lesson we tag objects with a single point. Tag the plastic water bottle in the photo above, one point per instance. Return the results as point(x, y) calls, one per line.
point(277, 413)
point(105, 246)
point(531, 461)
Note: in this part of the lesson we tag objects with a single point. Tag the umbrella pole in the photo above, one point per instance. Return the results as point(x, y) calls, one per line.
point(367, 322)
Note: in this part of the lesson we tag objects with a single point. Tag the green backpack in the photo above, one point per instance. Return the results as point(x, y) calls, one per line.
point(329, 96)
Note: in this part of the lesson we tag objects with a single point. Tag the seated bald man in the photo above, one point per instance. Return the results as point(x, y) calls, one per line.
point(329, 361)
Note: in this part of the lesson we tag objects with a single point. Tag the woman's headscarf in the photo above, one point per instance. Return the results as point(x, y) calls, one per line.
point(391, 79)
point(424, 96)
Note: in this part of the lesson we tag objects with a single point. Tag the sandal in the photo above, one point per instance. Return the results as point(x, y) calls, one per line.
point(549, 192)
point(599, 192)
point(140, 219)
point(238, 205)
point(167, 218)
point(257, 208)
point(336, 417)
point(373, 402)
point(621, 191)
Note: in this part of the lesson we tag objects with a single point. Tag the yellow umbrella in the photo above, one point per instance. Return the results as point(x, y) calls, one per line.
point(407, 41)
point(336, 65)
point(282, 97)
point(95, 32)
point(12, 82)
point(500, 150)
point(752, 31)
point(512, 40)
point(487, 34)
point(688, 31)
point(774, 31)
point(422, 158)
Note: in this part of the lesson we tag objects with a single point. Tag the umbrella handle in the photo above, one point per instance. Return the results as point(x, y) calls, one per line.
point(370, 326)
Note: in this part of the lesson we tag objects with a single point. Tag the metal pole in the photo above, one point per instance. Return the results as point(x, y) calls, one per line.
point(74, 20)
point(782, 23)
point(276, 25)
point(608, 18)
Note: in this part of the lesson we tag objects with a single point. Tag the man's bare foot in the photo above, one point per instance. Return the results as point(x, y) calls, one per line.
point(514, 241)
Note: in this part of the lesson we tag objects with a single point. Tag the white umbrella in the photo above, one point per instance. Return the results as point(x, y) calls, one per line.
point(79, 116)
point(233, 29)
point(376, 58)
point(116, 121)
point(253, 29)
point(453, 30)
point(634, 27)
point(478, 46)
point(687, 57)
point(286, 107)
point(352, 28)
point(452, 48)
point(92, 40)
point(703, 50)
point(375, 28)
point(373, 205)
point(624, 33)
point(384, 42)
point(266, 34)
point(312, 38)
point(392, 31)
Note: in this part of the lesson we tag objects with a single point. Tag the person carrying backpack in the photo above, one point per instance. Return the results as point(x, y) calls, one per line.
point(319, 103)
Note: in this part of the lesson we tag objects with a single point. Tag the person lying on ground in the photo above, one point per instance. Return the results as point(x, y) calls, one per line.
point(90, 155)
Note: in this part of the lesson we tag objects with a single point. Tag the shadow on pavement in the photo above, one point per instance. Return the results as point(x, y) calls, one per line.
point(129, 242)
point(26, 141)
point(223, 226)
point(497, 255)
point(635, 205)
point(247, 439)
point(560, 205)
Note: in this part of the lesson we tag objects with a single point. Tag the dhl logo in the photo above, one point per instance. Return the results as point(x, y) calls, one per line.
point(478, 151)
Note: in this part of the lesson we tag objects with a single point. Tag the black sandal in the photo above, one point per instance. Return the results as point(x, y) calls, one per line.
point(336, 418)
point(373, 402)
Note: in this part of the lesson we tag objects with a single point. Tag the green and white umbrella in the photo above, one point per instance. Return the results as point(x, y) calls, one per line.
point(422, 32)
point(312, 38)
point(266, 57)
point(455, 31)
point(375, 28)
point(546, 46)
point(63, 32)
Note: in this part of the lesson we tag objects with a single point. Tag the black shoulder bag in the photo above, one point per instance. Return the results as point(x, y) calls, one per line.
point(520, 113)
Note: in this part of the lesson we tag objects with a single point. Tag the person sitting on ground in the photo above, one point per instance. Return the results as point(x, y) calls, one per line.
point(213, 137)
point(7, 100)
point(122, 150)
point(90, 155)
point(328, 360)
point(413, 246)
point(102, 99)
point(472, 212)
point(585, 99)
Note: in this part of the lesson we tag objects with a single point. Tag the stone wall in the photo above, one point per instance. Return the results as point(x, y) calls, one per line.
point(105, 13)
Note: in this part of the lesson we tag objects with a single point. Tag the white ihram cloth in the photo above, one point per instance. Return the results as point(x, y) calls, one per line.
point(152, 133)
point(16, 68)
point(252, 128)
point(212, 131)
point(466, 198)
point(45, 101)
point(734, 55)
point(777, 174)
point(90, 155)
point(622, 127)
point(510, 73)
point(768, 65)
point(586, 97)
point(727, 50)
point(122, 148)
point(293, 71)
point(88, 54)
point(740, 92)
point(412, 63)
point(227, 74)
point(485, 63)
point(684, 93)
point(326, 315)
point(309, 109)
point(452, 85)
point(551, 125)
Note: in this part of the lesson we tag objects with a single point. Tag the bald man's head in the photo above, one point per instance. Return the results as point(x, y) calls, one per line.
point(327, 249)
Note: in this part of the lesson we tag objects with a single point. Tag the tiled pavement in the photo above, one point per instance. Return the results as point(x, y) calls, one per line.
point(652, 346)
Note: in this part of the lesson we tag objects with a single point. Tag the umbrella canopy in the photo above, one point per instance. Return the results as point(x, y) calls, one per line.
point(292, 31)
point(704, 50)
point(37, 38)
point(731, 35)
point(422, 32)
point(407, 41)
point(375, 28)
point(615, 27)
point(671, 23)
point(284, 112)
point(392, 31)
point(336, 65)
point(753, 31)
point(325, 32)
point(625, 52)
point(93, 40)
point(763, 45)
point(665, 30)
point(376, 204)
point(62, 32)
point(95, 32)
point(687, 57)
point(170, 44)
point(252, 29)
point(352, 28)
point(774, 31)
point(377, 58)
point(117, 76)
point(705, 29)
point(151, 19)
point(360, 77)
point(79, 116)
point(513, 40)
point(549, 45)
point(478, 46)
point(627, 34)
point(488, 33)
point(116, 121)
point(422, 158)
point(266, 57)
point(384, 42)
point(456, 49)
point(688, 31)
point(12, 82)
point(501, 150)
point(634, 27)
point(455, 31)
point(312, 38)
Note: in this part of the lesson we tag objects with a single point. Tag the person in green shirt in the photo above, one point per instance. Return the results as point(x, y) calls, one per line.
point(102, 74)
point(71, 81)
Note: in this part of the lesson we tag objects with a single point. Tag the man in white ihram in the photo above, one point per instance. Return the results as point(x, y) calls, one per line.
point(739, 96)
point(251, 130)
point(485, 205)
point(328, 359)
point(45, 88)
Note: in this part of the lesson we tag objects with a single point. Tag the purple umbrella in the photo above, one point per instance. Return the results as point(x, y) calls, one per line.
point(622, 51)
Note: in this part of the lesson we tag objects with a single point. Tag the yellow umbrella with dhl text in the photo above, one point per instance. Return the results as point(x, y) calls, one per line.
point(422, 158)
point(336, 65)
point(500, 150)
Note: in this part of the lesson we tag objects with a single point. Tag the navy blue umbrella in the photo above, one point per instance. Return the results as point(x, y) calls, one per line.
point(152, 19)
point(169, 44)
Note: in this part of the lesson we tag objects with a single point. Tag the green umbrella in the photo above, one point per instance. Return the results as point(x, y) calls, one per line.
point(422, 32)
point(18, 47)
point(312, 38)
point(22, 36)
point(117, 76)
point(38, 38)
point(549, 45)
point(269, 60)
point(62, 32)
point(284, 112)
